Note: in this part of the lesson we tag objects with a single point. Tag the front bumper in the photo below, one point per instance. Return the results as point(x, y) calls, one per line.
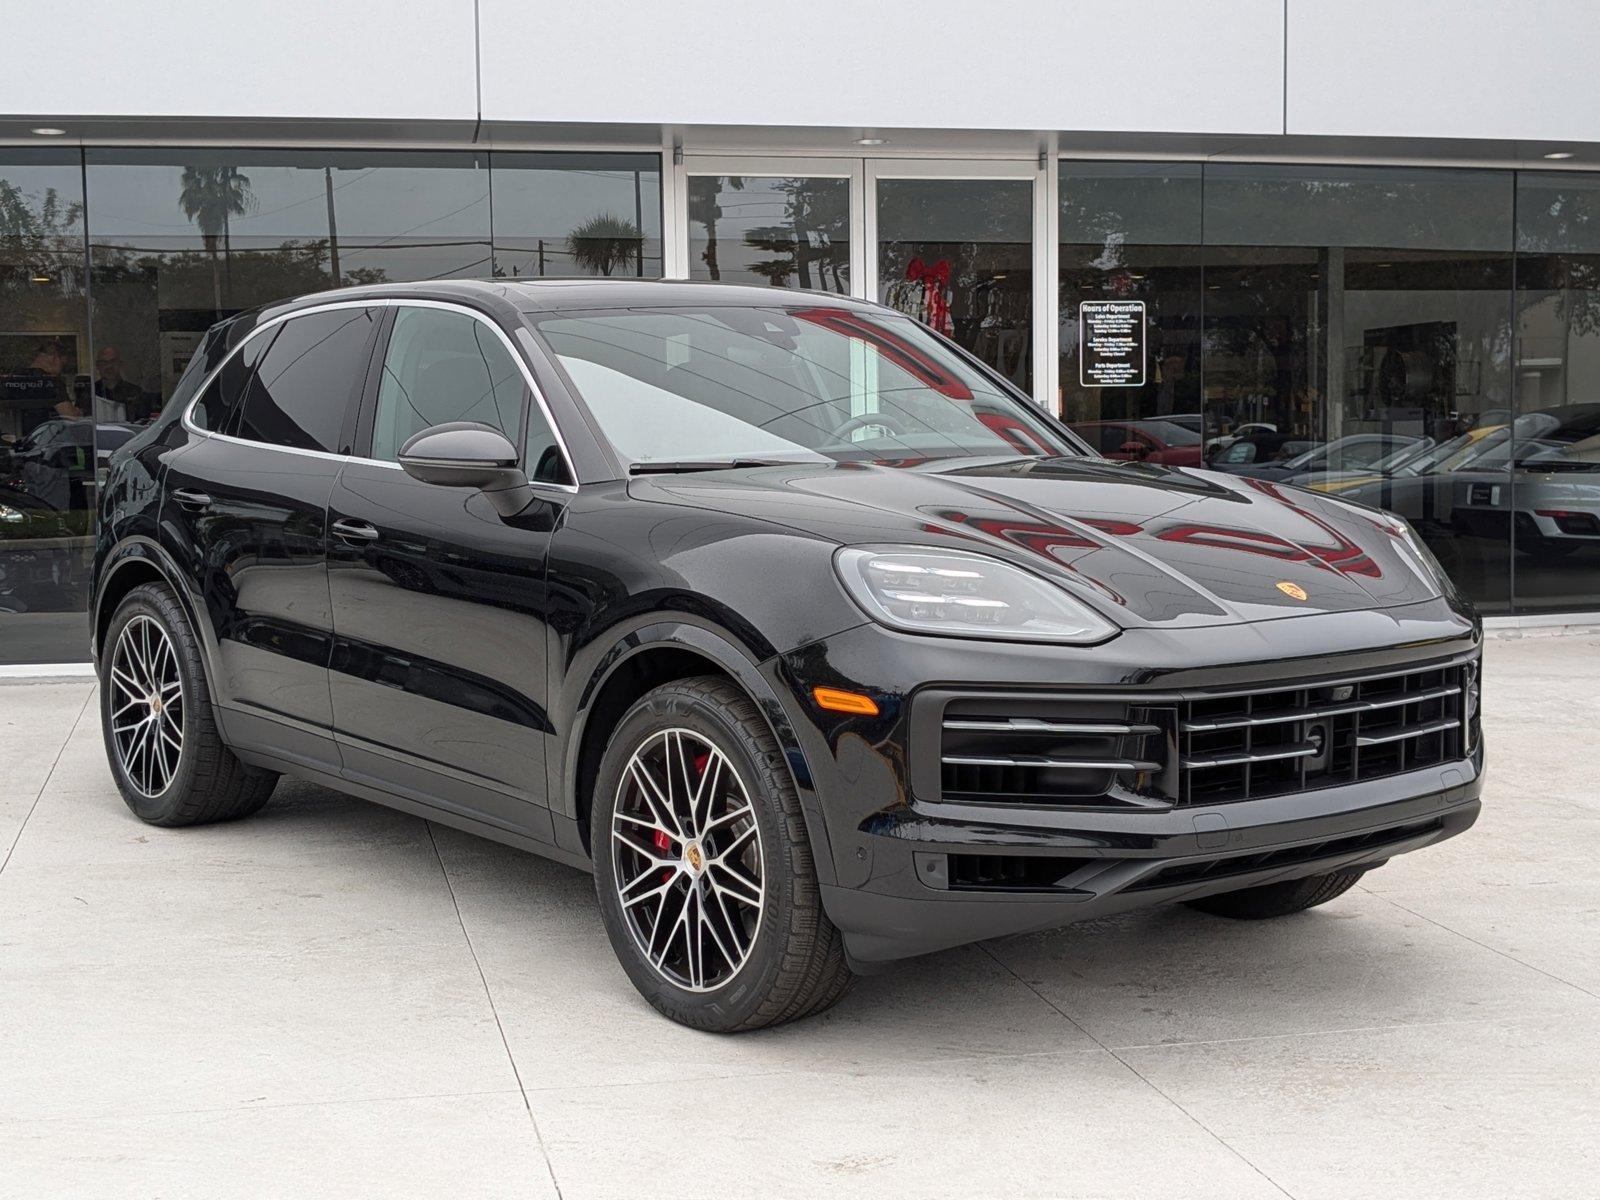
point(902, 867)
point(1140, 859)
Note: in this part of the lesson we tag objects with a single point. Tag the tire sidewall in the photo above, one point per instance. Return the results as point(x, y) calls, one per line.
point(152, 601)
point(735, 1000)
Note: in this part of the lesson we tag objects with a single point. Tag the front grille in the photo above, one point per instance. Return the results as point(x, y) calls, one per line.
point(1271, 742)
point(1192, 747)
point(1051, 751)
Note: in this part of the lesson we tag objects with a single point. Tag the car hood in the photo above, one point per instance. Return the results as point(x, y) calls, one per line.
point(1148, 545)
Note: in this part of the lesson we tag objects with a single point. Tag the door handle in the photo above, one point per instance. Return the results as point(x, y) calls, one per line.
point(354, 531)
point(190, 498)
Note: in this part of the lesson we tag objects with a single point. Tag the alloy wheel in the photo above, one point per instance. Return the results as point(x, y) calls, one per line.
point(687, 859)
point(146, 705)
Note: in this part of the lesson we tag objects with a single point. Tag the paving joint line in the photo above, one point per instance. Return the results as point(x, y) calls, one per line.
point(48, 776)
point(1467, 937)
point(488, 994)
point(1136, 1073)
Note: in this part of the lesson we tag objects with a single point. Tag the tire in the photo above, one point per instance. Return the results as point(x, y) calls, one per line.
point(1278, 899)
point(680, 869)
point(199, 780)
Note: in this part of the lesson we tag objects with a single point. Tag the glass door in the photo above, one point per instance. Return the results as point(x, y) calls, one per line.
point(953, 246)
point(777, 222)
point(967, 247)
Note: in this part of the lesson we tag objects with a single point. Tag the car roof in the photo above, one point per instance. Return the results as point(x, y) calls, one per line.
point(554, 295)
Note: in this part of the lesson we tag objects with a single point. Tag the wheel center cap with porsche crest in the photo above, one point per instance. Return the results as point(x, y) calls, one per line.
point(693, 856)
point(1292, 590)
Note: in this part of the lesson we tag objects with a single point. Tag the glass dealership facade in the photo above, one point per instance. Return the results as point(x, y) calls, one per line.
point(1422, 339)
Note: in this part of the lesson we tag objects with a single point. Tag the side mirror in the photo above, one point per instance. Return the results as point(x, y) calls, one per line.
point(467, 454)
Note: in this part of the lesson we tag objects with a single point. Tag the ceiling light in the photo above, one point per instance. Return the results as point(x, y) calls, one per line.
point(48, 131)
point(872, 141)
point(1552, 154)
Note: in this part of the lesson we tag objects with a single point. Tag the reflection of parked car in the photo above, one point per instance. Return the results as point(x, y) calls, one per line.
point(59, 461)
point(1554, 498)
point(1218, 444)
point(1156, 440)
point(42, 562)
point(1356, 452)
point(1256, 448)
point(1421, 487)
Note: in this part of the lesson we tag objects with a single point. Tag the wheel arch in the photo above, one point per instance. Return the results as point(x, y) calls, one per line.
point(135, 561)
point(644, 659)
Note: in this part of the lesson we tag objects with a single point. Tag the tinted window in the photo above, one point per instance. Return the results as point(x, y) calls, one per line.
point(544, 459)
point(306, 381)
point(220, 401)
point(444, 366)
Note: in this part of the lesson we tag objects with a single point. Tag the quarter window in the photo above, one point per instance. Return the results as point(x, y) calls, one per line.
point(444, 366)
point(306, 382)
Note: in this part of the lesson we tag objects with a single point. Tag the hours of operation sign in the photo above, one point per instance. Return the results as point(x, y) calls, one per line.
point(1111, 343)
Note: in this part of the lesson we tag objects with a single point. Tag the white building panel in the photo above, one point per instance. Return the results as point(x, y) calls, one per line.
point(1520, 69)
point(1158, 65)
point(352, 59)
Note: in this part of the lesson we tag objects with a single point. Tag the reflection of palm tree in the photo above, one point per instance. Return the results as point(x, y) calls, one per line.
point(603, 243)
point(209, 197)
point(704, 210)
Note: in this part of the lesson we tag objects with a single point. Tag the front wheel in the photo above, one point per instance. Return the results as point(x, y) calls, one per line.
point(704, 871)
point(1279, 899)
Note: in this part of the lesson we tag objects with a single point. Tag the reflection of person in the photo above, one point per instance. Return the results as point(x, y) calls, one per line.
point(115, 398)
point(49, 361)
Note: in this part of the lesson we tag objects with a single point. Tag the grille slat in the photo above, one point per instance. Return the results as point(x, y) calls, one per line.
point(1312, 714)
point(1034, 760)
point(1034, 725)
point(1300, 750)
point(1406, 734)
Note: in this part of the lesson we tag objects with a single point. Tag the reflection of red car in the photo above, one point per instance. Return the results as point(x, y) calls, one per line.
point(1152, 441)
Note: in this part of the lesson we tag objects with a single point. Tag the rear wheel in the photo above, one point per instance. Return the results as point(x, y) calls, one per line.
point(1279, 899)
point(155, 712)
point(703, 868)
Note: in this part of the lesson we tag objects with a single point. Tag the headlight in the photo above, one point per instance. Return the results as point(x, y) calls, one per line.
point(958, 594)
point(11, 516)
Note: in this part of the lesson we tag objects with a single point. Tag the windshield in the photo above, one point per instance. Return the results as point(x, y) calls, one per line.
point(802, 383)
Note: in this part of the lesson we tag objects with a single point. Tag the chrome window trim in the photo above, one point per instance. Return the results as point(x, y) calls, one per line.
point(382, 302)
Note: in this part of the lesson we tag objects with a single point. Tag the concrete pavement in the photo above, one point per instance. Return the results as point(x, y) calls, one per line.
point(333, 999)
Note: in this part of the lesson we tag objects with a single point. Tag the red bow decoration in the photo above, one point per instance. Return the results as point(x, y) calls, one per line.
point(938, 273)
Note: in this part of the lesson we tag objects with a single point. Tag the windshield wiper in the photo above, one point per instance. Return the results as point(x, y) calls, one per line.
point(682, 466)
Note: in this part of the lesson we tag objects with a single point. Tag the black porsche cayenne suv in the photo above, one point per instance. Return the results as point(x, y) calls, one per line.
point(813, 639)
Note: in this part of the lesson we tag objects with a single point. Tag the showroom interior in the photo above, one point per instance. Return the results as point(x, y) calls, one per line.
point(1439, 326)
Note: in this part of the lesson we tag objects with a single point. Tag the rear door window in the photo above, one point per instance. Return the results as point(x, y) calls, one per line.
point(306, 384)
